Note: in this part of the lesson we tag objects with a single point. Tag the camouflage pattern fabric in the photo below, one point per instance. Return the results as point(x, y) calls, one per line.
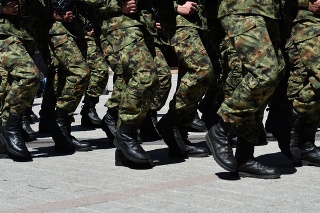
point(66, 51)
point(99, 70)
point(195, 72)
point(135, 64)
point(161, 95)
point(256, 41)
point(164, 74)
point(304, 53)
point(232, 68)
point(22, 76)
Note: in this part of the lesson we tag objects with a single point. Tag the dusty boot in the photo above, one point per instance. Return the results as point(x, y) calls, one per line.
point(148, 130)
point(27, 132)
point(191, 149)
point(219, 140)
point(197, 125)
point(121, 160)
point(126, 142)
point(310, 154)
point(109, 124)
point(79, 146)
point(12, 139)
point(170, 132)
point(247, 164)
point(296, 119)
point(90, 118)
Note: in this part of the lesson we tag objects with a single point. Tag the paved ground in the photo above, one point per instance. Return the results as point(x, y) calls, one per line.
point(90, 182)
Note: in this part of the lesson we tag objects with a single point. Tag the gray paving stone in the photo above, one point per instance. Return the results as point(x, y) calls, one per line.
point(90, 182)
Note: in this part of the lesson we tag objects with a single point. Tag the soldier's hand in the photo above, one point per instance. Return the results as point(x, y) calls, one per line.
point(63, 17)
point(90, 32)
point(314, 6)
point(129, 7)
point(12, 8)
point(158, 25)
point(187, 9)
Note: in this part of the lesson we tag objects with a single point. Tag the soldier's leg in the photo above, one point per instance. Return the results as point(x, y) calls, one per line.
point(148, 131)
point(302, 90)
point(23, 80)
point(99, 75)
point(192, 85)
point(76, 74)
point(140, 85)
point(256, 86)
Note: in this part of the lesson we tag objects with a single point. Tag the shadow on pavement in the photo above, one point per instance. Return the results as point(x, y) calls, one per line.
point(160, 157)
point(279, 161)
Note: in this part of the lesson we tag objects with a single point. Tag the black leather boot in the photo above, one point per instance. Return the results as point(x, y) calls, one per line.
point(170, 132)
point(197, 125)
point(219, 139)
point(59, 132)
point(32, 117)
point(310, 153)
point(247, 164)
point(27, 132)
point(3, 150)
point(262, 138)
point(296, 119)
point(109, 124)
point(121, 160)
point(12, 139)
point(126, 142)
point(148, 131)
point(90, 117)
point(191, 149)
point(47, 114)
point(79, 146)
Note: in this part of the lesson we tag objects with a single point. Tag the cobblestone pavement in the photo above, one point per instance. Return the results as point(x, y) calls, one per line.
point(90, 181)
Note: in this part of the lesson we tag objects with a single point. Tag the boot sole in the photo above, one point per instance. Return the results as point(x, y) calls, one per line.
point(198, 155)
point(86, 149)
point(208, 141)
point(134, 165)
point(309, 163)
point(244, 175)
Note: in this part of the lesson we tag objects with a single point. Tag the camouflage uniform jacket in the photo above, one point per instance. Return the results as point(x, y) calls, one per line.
point(171, 19)
point(267, 8)
point(111, 13)
point(302, 23)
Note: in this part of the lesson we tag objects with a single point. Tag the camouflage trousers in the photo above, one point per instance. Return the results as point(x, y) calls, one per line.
point(304, 81)
point(255, 43)
point(161, 95)
point(194, 73)
point(99, 70)
point(233, 74)
point(19, 77)
point(73, 73)
point(135, 71)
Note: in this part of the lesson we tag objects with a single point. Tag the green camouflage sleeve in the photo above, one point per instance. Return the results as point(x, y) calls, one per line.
point(108, 7)
point(303, 3)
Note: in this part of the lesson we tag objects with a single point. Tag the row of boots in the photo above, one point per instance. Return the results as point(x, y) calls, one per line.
point(127, 138)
